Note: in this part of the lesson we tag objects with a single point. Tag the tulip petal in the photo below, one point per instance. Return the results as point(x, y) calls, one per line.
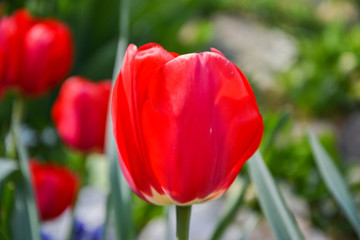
point(37, 53)
point(130, 93)
point(55, 188)
point(48, 56)
point(80, 112)
point(12, 32)
point(197, 124)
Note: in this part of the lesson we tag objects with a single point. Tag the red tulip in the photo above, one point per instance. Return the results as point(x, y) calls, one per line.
point(184, 125)
point(35, 54)
point(55, 188)
point(80, 112)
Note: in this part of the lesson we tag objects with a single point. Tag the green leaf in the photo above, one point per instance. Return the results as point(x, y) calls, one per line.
point(14, 213)
point(28, 220)
point(8, 171)
point(3, 236)
point(229, 215)
point(278, 215)
point(120, 198)
point(7, 199)
point(335, 182)
point(120, 194)
point(21, 216)
point(283, 119)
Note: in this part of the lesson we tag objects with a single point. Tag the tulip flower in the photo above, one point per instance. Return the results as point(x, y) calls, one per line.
point(55, 188)
point(35, 54)
point(80, 113)
point(184, 125)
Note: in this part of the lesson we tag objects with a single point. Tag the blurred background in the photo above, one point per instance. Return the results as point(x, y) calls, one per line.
point(302, 59)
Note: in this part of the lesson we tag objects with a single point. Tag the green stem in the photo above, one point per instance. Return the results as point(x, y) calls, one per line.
point(16, 117)
point(11, 148)
point(168, 222)
point(182, 222)
point(230, 214)
point(23, 159)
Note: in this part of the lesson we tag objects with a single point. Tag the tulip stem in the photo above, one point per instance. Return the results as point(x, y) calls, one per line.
point(182, 222)
point(30, 206)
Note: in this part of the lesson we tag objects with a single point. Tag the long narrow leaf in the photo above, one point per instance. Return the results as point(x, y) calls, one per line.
point(279, 217)
point(120, 196)
point(8, 172)
point(335, 182)
point(21, 216)
point(30, 217)
point(230, 214)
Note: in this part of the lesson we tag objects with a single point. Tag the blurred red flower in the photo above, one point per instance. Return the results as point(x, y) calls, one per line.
point(55, 188)
point(80, 113)
point(184, 125)
point(35, 54)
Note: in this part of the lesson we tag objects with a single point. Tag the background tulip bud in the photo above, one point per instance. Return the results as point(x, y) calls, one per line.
point(184, 125)
point(55, 188)
point(35, 54)
point(80, 113)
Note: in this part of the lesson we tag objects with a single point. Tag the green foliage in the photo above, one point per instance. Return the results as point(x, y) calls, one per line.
point(8, 171)
point(293, 148)
point(25, 207)
point(14, 205)
point(294, 16)
point(230, 213)
point(335, 182)
point(143, 212)
point(325, 79)
point(163, 21)
point(280, 219)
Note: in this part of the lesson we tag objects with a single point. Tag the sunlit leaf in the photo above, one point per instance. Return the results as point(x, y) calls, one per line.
point(335, 182)
point(272, 204)
point(229, 215)
point(120, 194)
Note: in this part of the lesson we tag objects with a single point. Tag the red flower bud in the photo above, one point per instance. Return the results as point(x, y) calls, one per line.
point(80, 112)
point(184, 125)
point(35, 54)
point(55, 188)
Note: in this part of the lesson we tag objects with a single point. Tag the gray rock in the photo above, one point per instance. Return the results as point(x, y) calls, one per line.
point(256, 49)
point(349, 139)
